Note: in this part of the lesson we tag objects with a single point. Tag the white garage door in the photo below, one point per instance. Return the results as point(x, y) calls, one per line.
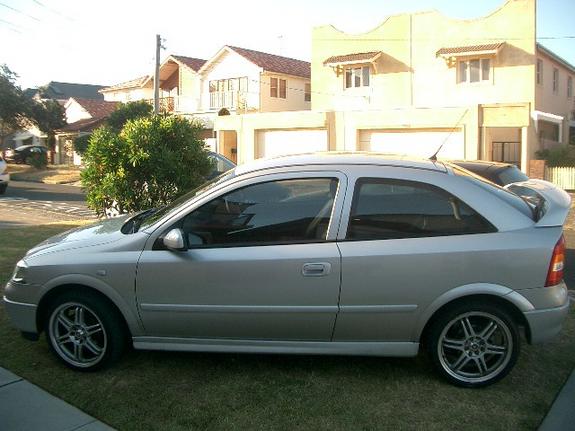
point(420, 143)
point(271, 143)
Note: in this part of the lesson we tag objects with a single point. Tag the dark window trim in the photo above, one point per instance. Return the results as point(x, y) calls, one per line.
point(159, 245)
point(394, 181)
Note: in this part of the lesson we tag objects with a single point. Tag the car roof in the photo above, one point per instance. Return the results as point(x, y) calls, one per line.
point(341, 158)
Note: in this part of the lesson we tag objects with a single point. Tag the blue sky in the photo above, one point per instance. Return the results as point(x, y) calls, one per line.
point(109, 41)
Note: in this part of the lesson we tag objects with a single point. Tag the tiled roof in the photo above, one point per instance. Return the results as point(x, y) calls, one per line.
point(193, 63)
point(86, 125)
point(348, 58)
point(471, 48)
point(127, 84)
point(275, 63)
point(97, 108)
point(64, 90)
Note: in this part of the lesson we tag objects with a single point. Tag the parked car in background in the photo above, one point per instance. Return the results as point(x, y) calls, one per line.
point(4, 177)
point(499, 173)
point(352, 254)
point(22, 154)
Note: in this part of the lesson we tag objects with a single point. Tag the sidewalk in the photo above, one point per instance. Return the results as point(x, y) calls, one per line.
point(26, 407)
point(561, 416)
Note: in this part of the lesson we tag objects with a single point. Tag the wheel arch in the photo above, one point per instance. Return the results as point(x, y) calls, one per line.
point(133, 325)
point(511, 301)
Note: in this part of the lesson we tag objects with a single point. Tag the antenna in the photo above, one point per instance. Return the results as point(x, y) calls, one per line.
point(433, 158)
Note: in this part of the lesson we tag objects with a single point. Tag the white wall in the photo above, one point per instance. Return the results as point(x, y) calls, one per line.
point(232, 65)
point(295, 94)
point(75, 112)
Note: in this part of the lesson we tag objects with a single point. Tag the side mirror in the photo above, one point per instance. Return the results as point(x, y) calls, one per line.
point(174, 240)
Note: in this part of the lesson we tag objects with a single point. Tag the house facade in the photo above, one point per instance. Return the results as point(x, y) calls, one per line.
point(83, 116)
point(423, 82)
point(235, 81)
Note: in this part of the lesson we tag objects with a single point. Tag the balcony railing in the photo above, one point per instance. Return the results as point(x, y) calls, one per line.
point(167, 104)
point(227, 99)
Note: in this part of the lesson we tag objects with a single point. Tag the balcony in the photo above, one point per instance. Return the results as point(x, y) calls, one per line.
point(167, 104)
point(227, 99)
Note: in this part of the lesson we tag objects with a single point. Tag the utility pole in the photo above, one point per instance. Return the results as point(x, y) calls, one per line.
point(157, 76)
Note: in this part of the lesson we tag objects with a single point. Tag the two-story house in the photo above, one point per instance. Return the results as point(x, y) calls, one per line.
point(477, 89)
point(234, 81)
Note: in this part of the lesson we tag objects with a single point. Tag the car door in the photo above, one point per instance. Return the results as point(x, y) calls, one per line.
point(404, 241)
point(261, 263)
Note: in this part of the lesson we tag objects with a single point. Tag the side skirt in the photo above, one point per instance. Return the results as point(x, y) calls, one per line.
point(399, 349)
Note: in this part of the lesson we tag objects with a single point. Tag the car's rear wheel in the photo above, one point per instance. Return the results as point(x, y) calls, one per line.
point(474, 345)
point(3, 188)
point(84, 331)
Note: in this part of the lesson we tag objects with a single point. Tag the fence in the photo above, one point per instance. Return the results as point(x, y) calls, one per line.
point(563, 177)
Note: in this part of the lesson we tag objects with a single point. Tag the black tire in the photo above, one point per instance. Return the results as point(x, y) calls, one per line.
point(91, 331)
point(474, 344)
point(3, 188)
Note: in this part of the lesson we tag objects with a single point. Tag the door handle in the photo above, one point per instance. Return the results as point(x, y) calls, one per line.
point(318, 269)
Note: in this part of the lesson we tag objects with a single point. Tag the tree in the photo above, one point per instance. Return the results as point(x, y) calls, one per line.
point(128, 111)
point(49, 116)
point(15, 107)
point(152, 161)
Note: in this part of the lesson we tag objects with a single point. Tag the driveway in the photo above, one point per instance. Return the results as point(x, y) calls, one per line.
point(26, 203)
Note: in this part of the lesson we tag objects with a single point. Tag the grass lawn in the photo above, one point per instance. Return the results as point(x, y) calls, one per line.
point(182, 391)
point(52, 174)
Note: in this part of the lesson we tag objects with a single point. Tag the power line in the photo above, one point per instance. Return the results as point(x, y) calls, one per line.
point(54, 11)
point(20, 12)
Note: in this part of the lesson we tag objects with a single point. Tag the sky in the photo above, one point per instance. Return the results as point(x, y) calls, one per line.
point(109, 41)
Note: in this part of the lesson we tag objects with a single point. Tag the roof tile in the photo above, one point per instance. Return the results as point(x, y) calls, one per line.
point(275, 63)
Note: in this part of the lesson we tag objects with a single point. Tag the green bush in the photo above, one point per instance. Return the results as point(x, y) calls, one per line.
point(81, 144)
point(558, 156)
point(128, 111)
point(38, 160)
point(152, 161)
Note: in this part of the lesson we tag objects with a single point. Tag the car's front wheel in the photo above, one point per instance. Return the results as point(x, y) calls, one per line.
point(84, 331)
point(474, 345)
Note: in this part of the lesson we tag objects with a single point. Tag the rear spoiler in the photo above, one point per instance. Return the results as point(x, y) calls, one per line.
point(550, 203)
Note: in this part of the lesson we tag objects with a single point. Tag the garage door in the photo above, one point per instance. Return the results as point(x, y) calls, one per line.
point(420, 143)
point(271, 143)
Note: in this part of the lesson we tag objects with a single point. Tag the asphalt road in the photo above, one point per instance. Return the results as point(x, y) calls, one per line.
point(26, 203)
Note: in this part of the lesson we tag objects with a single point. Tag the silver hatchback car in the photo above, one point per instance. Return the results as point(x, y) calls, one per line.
point(350, 254)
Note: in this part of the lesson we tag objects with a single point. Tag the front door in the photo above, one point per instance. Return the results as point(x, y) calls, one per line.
point(258, 266)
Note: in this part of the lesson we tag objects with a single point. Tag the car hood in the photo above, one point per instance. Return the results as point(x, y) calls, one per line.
point(103, 232)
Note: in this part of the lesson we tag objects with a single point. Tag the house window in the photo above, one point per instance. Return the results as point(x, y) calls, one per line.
point(539, 71)
point(307, 93)
point(555, 80)
point(357, 77)
point(278, 88)
point(475, 70)
point(226, 93)
point(570, 86)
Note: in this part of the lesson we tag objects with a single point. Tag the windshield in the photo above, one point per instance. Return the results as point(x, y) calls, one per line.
point(153, 216)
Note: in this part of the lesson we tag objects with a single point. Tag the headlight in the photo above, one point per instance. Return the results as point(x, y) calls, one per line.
point(19, 275)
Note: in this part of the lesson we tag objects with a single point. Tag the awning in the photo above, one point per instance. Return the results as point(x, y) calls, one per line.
point(469, 51)
point(356, 58)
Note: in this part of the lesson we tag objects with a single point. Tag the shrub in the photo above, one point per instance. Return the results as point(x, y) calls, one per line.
point(38, 160)
point(149, 163)
point(558, 156)
point(81, 144)
point(128, 111)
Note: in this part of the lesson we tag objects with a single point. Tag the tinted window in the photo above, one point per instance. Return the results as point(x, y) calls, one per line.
point(283, 211)
point(393, 209)
point(506, 196)
point(511, 175)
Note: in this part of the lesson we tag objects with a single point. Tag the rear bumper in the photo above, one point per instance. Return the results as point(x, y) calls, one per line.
point(545, 324)
point(22, 315)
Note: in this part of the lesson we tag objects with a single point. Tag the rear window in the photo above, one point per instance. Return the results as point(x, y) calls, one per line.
point(510, 198)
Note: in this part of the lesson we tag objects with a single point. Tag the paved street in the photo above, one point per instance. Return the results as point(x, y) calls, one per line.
point(26, 203)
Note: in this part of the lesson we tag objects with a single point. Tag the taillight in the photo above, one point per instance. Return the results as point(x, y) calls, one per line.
point(555, 273)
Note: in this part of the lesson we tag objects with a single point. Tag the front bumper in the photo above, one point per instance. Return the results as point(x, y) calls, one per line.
point(546, 323)
point(22, 315)
point(4, 178)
